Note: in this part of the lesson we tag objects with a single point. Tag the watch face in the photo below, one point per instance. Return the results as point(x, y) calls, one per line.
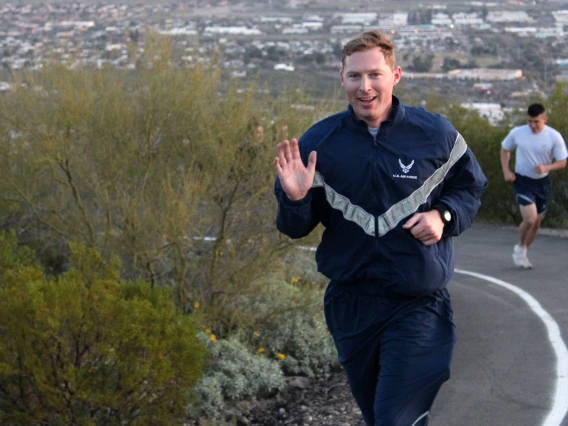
point(447, 216)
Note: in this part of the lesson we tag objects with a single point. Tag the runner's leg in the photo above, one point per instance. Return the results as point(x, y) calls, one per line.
point(527, 227)
point(416, 355)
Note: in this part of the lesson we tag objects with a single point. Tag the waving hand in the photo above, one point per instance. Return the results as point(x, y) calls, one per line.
point(295, 178)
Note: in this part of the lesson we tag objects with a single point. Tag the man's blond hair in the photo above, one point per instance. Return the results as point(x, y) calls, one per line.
point(369, 40)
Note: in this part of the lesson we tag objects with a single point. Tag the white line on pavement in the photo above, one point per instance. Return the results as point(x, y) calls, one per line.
point(560, 406)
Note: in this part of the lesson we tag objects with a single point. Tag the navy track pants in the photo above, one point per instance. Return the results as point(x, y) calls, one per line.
point(396, 350)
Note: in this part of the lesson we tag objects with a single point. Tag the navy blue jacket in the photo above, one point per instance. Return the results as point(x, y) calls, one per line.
point(366, 189)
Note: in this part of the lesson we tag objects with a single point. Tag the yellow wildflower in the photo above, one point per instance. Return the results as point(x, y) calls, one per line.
point(256, 334)
point(213, 337)
point(196, 305)
point(282, 356)
point(295, 279)
point(260, 350)
point(208, 330)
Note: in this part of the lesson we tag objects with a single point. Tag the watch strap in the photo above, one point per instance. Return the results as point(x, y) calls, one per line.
point(442, 209)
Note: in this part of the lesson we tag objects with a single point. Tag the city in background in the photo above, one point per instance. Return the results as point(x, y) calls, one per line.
point(490, 56)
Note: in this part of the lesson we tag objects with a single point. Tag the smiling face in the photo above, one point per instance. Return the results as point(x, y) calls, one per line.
point(369, 81)
point(537, 123)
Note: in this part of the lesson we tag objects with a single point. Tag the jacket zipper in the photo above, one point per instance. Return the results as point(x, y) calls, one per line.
point(376, 147)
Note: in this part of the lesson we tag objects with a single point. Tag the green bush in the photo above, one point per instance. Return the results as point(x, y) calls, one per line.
point(498, 202)
point(557, 105)
point(89, 349)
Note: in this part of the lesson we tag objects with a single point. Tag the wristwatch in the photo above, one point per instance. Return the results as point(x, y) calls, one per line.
point(445, 214)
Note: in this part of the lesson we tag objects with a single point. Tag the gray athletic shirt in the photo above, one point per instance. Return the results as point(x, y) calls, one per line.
point(534, 148)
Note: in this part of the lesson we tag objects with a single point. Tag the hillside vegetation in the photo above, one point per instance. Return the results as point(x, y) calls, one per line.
point(147, 195)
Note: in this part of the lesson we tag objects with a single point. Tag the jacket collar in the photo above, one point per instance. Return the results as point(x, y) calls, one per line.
point(396, 114)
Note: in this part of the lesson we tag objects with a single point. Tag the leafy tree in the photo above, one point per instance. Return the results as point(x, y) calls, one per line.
point(450, 64)
point(157, 166)
point(337, 50)
point(251, 53)
point(275, 54)
point(471, 63)
point(484, 11)
point(422, 63)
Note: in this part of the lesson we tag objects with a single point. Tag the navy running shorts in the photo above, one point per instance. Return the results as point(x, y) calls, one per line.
point(533, 191)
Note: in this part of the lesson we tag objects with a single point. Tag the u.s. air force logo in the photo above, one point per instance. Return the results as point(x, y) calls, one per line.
point(405, 170)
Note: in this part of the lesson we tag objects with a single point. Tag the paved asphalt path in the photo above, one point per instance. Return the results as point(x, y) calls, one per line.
point(506, 368)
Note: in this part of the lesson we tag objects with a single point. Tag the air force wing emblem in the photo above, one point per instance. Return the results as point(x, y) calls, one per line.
point(405, 169)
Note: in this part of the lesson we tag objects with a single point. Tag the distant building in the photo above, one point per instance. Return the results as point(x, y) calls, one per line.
point(491, 111)
point(467, 19)
point(521, 31)
point(393, 20)
point(499, 17)
point(358, 18)
point(562, 65)
point(483, 3)
point(180, 31)
point(441, 19)
point(295, 29)
point(483, 87)
point(231, 30)
point(437, 7)
point(316, 18)
point(425, 75)
point(276, 19)
point(554, 32)
point(485, 74)
point(346, 29)
point(77, 24)
point(312, 25)
point(283, 67)
point(560, 17)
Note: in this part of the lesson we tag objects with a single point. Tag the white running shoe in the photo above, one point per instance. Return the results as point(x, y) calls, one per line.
point(520, 257)
point(528, 264)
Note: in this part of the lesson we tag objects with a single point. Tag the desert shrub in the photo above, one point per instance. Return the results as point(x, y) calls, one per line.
point(291, 325)
point(279, 330)
point(305, 342)
point(87, 348)
point(235, 373)
point(284, 320)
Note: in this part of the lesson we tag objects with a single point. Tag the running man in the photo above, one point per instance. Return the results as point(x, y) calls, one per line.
point(391, 184)
point(539, 150)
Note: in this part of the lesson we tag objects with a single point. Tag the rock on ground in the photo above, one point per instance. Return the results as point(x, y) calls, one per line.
point(320, 401)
